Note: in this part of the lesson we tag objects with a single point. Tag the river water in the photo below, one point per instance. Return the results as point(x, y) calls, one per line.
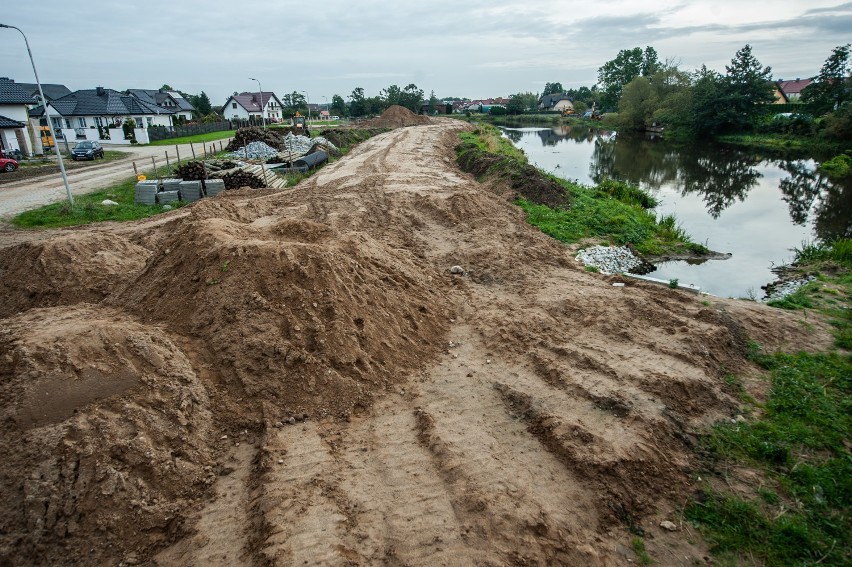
point(754, 207)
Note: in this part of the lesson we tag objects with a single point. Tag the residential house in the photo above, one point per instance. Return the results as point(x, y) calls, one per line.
point(88, 115)
point(792, 90)
point(14, 117)
point(52, 91)
point(556, 102)
point(253, 106)
point(170, 100)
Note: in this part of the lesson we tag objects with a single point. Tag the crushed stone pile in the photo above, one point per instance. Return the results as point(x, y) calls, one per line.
point(254, 150)
point(610, 259)
point(397, 117)
point(301, 145)
point(777, 291)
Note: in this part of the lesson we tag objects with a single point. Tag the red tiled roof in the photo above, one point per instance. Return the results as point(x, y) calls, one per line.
point(793, 87)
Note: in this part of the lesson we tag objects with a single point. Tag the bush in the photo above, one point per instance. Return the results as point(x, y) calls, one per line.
point(838, 167)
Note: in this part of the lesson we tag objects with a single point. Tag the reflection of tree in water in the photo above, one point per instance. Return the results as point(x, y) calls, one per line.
point(560, 133)
point(637, 160)
point(514, 135)
point(806, 190)
point(720, 176)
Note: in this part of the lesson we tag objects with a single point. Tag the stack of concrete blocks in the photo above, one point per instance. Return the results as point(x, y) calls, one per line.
point(214, 186)
point(171, 184)
point(190, 191)
point(146, 192)
point(164, 197)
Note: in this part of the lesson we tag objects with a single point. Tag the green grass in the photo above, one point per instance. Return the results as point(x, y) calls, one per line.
point(200, 138)
point(801, 443)
point(781, 143)
point(88, 209)
point(638, 545)
point(612, 211)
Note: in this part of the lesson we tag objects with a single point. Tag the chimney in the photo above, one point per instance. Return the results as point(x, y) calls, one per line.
point(100, 91)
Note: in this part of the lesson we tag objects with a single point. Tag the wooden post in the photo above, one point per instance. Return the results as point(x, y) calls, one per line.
point(191, 147)
point(168, 163)
point(177, 151)
point(135, 171)
point(157, 173)
point(263, 169)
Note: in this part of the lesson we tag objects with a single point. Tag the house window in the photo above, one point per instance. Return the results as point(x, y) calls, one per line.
point(67, 123)
point(81, 122)
point(57, 122)
point(99, 122)
point(149, 120)
point(233, 105)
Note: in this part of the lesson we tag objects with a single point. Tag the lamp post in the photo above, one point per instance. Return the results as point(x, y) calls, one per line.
point(46, 116)
point(262, 110)
point(308, 102)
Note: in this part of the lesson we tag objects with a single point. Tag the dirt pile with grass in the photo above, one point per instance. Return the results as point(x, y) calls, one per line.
point(297, 376)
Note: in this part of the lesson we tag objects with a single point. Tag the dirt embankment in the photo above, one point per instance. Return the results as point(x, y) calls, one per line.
point(278, 378)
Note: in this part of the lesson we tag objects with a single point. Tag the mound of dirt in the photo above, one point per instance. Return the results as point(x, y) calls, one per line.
point(398, 117)
point(79, 267)
point(298, 376)
point(107, 436)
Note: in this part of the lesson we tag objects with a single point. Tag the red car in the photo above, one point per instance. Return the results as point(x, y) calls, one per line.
point(7, 164)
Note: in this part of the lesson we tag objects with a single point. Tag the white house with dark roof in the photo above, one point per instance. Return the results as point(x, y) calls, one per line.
point(14, 117)
point(556, 102)
point(170, 100)
point(51, 91)
point(94, 114)
point(251, 106)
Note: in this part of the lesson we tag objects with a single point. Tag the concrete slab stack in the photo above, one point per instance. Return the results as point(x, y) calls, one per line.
point(190, 191)
point(164, 197)
point(214, 186)
point(146, 192)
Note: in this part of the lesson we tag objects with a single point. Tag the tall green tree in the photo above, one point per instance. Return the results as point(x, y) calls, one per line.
point(833, 86)
point(433, 103)
point(614, 75)
point(358, 102)
point(338, 106)
point(516, 104)
point(202, 104)
point(708, 107)
point(637, 104)
point(748, 86)
point(552, 88)
point(411, 97)
point(392, 95)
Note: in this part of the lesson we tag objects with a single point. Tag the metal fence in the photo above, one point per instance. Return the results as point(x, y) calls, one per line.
point(166, 133)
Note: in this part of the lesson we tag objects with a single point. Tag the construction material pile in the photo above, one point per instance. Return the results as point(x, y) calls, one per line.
point(245, 136)
point(398, 117)
point(242, 178)
point(191, 170)
point(255, 150)
point(301, 145)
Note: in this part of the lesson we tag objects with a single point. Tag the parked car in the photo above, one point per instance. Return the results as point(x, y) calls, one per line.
point(8, 165)
point(12, 154)
point(89, 149)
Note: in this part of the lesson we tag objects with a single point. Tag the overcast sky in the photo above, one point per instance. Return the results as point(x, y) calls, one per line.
point(472, 48)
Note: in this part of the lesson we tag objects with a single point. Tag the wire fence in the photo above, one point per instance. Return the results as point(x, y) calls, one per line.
point(167, 133)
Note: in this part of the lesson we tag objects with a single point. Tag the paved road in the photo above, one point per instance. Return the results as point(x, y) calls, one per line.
point(25, 194)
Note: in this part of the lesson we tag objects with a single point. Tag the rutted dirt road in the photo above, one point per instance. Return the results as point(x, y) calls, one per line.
point(295, 378)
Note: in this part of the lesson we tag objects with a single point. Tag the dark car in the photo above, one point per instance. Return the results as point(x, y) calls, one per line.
point(8, 165)
point(87, 150)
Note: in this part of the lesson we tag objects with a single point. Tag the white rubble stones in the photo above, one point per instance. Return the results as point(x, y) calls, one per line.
point(297, 145)
point(787, 288)
point(302, 144)
point(107, 202)
point(254, 150)
point(667, 525)
point(609, 259)
point(456, 270)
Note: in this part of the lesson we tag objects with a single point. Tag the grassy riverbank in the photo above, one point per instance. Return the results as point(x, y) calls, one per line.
point(778, 485)
point(781, 143)
point(611, 212)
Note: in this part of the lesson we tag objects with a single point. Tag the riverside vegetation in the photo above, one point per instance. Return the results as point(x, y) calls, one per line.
point(612, 211)
point(796, 510)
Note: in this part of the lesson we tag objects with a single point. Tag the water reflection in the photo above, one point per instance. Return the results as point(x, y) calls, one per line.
point(722, 176)
point(733, 201)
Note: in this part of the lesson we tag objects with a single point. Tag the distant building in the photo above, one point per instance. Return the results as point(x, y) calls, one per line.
point(14, 116)
point(556, 102)
point(253, 106)
point(792, 90)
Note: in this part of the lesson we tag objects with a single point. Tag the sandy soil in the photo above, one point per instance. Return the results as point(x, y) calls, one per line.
point(295, 377)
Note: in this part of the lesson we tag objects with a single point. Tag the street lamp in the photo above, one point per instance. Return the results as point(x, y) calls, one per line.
point(46, 116)
point(262, 110)
point(308, 102)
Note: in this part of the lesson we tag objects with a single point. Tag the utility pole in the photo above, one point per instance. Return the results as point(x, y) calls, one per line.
point(46, 116)
point(262, 109)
